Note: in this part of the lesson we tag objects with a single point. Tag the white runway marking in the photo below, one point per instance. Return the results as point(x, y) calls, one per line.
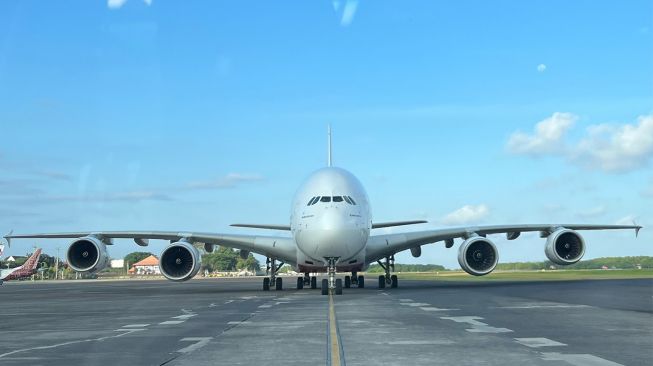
point(236, 323)
point(130, 331)
point(538, 342)
point(199, 343)
point(432, 308)
point(171, 322)
point(558, 306)
point(184, 317)
point(265, 306)
point(477, 327)
point(135, 326)
point(415, 304)
point(417, 343)
point(405, 300)
point(228, 302)
point(578, 359)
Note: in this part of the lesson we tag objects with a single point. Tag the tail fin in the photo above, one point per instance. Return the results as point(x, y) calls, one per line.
point(329, 146)
point(33, 261)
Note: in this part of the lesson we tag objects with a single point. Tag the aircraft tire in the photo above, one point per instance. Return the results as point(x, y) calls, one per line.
point(279, 284)
point(266, 284)
point(339, 286)
point(325, 287)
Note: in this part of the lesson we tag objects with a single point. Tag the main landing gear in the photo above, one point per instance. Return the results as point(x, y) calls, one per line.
point(272, 269)
point(390, 280)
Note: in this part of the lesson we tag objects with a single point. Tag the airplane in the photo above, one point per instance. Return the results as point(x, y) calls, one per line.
point(27, 269)
point(331, 230)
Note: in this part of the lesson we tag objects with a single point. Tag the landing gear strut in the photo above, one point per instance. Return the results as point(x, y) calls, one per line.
point(272, 269)
point(388, 279)
point(332, 284)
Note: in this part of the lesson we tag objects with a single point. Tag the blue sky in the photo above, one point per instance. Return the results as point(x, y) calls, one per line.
point(193, 115)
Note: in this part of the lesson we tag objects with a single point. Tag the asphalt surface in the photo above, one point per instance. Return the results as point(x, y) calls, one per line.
point(231, 321)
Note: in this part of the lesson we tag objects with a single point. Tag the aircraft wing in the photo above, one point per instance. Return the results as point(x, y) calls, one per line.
point(282, 248)
point(381, 246)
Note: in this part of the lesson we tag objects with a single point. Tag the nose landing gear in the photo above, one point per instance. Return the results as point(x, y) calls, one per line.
point(332, 284)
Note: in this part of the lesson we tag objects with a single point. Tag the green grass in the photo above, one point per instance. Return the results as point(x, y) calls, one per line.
point(557, 275)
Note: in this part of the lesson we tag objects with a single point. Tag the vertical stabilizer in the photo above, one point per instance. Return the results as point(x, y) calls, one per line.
point(329, 146)
point(33, 261)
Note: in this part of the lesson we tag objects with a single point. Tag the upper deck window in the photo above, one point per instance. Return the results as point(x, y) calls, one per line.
point(325, 199)
point(337, 198)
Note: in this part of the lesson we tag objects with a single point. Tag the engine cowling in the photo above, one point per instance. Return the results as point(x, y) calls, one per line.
point(88, 254)
point(564, 247)
point(180, 261)
point(478, 256)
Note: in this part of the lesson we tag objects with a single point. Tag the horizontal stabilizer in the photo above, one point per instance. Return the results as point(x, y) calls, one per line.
point(379, 225)
point(258, 226)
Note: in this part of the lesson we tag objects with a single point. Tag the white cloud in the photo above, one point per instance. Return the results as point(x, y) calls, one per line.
point(348, 11)
point(466, 214)
point(115, 4)
point(648, 191)
point(593, 212)
point(626, 220)
point(613, 148)
point(541, 68)
point(229, 181)
point(547, 139)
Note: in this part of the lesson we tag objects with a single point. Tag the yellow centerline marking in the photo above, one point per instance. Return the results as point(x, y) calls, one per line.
point(333, 334)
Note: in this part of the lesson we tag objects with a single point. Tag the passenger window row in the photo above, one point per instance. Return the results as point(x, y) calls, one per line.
point(317, 199)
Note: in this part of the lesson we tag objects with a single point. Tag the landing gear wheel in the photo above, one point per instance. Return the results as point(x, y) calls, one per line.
point(339, 286)
point(266, 284)
point(361, 282)
point(313, 282)
point(395, 281)
point(381, 281)
point(325, 287)
point(300, 283)
point(279, 284)
point(347, 282)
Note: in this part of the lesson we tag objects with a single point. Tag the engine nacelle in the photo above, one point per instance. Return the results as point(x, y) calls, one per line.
point(416, 251)
point(88, 254)
point(478, 256)
point(564, 247)
point(180, 261)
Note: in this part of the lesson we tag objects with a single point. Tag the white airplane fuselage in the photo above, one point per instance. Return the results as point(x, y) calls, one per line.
point(336, 225)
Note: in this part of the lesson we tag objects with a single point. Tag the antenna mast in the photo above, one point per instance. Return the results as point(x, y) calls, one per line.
point(329, 146)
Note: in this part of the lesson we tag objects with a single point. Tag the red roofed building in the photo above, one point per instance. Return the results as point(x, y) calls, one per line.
point(148, 266)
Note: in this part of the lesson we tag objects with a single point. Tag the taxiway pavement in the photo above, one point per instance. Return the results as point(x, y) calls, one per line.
point(232, 321)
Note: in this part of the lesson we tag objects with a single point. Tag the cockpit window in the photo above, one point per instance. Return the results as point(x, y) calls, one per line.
point(347, 200)
point(325, 199)
point(352, 200)
point(313, 201)
point(337, 198)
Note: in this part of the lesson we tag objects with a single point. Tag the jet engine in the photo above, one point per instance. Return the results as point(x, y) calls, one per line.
point(564, 247)
point(180, 261)
point(478, 256)
point(88, 254)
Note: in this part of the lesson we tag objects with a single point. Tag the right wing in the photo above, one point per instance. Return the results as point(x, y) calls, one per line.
point(380, 246)
point(282, 248)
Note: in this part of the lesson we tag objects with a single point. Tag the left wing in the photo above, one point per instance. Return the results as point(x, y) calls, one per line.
point(381, 246)
point(282, 248)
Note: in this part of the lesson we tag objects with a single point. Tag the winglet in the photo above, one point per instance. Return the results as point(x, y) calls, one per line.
point(8, 238)
point(329, 146)
point(637, 229)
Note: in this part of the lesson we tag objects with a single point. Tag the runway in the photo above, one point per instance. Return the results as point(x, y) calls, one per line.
point(233, 322)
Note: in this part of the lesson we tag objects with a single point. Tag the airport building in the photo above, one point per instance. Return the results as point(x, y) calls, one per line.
point(148, 266)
